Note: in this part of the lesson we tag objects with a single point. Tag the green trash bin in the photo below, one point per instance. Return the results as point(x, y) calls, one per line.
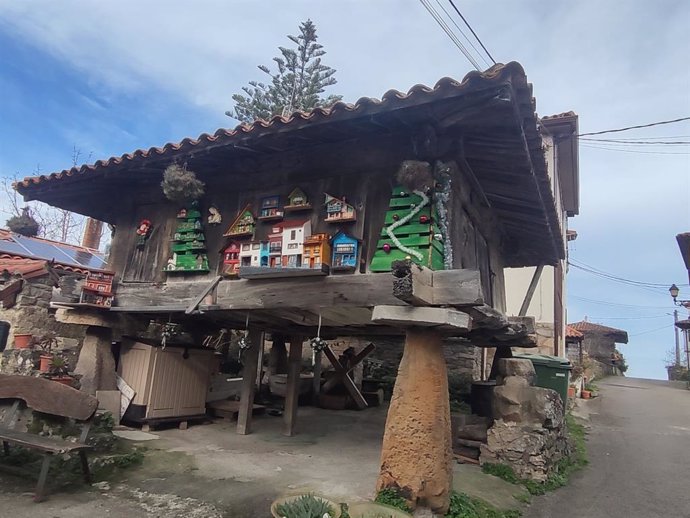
point(552, 372)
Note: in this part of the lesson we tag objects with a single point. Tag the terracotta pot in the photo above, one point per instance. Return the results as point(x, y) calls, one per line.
point(571, 392)
point(46, 361)
point(65, 380)
point(586, 394)
point(23, 341)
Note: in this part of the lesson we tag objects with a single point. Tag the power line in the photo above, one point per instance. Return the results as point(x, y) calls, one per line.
point(463, 34)
point(665, 315)
point(652, 330)
point(601, 273)
point(439, 20)
point(614, 304)
point(472, 30)
point(636, 150)
point(634, 127)
point(638, 142)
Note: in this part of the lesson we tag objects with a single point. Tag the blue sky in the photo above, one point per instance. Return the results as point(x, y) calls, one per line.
point(112, 77)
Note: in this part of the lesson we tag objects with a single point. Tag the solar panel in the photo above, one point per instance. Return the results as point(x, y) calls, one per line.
point(64, 254)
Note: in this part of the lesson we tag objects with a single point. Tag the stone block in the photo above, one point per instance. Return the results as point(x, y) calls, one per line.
point(517, 367)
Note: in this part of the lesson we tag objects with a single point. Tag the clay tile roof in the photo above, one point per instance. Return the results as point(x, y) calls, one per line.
point(571, 332)
point(27, 268)
point(559, 115)
point(586, 327)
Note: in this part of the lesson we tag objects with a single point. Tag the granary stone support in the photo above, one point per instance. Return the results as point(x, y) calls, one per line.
point(416, 458)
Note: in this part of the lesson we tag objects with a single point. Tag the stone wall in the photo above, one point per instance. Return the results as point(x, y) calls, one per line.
point(32, 314)
point(529, 432)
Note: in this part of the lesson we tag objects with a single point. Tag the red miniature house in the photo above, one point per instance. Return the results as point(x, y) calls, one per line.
point(231, 260)
point(98, 289)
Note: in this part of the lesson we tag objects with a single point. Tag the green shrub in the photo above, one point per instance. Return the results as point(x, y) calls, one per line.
point(306, 506)
point(392, 497)
point(464, 506)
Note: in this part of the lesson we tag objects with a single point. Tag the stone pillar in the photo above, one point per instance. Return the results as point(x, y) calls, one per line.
point(96, 364)
point(416, 457)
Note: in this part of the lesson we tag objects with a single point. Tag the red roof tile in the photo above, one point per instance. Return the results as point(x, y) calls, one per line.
point(584, 327)
point(571, 332)
point(27, 268)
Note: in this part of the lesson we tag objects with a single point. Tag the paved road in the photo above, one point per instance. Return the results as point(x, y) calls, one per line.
point(639, 452)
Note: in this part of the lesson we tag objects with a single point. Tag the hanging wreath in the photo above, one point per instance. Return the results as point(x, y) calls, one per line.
point(24, 224)
point(181, 185)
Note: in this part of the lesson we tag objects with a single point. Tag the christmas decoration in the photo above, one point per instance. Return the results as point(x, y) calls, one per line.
point(181, 185)
point(143, 232)
point(189, 243)
point(214, 217)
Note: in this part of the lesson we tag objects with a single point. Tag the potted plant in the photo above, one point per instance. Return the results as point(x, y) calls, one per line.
point(46, 343)
point(58, 371)
point(305, 506)
point(23, 340)
point(586, 394)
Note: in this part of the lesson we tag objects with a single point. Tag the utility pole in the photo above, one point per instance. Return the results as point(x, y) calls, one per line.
point(675, 319)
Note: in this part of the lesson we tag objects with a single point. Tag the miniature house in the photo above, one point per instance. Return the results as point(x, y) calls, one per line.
point(231, 259)
point(243, 225)
point(270, 211)
point(316, 251)
point(98, 289)
point(294, 233)
point(338, 210)
point(275, 246)
point(245, 254)
point(345, 252)
point(297, 200)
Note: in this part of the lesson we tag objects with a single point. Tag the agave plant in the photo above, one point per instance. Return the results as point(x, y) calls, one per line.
point(305, 506)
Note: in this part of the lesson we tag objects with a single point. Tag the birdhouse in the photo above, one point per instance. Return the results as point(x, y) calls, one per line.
point(316, 251)
point(231, 259)
point(270, 210)
point(297, 201)
point(243, 224)
point(345, 252)
point(338, 210)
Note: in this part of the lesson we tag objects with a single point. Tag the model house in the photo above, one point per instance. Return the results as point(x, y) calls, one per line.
point(293, 236)
point(338, 210)
point(275, 246)
point(316, 251)
point(231, 259)
point(243, 224)
point(254, 253)
point(345, 251)
point(297, 201)
point(270, 210)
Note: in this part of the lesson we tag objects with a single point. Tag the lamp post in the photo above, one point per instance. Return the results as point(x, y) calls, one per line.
point(684, 325)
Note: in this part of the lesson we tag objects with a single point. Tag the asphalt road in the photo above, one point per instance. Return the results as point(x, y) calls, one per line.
point(639, 453)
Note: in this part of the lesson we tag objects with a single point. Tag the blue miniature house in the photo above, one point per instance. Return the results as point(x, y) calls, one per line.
point(345, 252)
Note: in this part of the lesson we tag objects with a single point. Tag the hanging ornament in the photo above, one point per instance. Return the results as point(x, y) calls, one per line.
point(389, 230)
point(244, 343)
point(169, 331)
point(317, 343)
point(412, 205)
point(387, 248)
point(396, 217)
point(424, 219)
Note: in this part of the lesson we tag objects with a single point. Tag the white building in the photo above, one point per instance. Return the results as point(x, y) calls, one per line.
point(294, 233)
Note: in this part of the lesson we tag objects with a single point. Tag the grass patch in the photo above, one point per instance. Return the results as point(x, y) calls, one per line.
point(390, 496)
point(465, 506)
point(523, 498)
point(564, 468)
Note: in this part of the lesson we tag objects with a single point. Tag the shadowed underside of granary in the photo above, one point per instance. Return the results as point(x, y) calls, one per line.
point(425, 257)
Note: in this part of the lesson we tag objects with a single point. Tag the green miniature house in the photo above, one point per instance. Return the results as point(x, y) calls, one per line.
point(420, 234)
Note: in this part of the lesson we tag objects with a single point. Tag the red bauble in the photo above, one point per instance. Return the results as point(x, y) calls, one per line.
point(387, 248)
point(424, 219)
point(396, 217)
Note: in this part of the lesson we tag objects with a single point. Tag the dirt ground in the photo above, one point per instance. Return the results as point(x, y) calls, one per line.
point(208, 471)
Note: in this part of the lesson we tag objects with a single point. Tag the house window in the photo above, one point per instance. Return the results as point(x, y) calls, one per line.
point(293, 235)
point(246, 261)
point(245, 246)
point(292, 246)
point(255, 246)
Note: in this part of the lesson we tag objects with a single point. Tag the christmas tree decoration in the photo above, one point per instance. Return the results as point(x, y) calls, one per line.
point(189, 243)
point(409, 232)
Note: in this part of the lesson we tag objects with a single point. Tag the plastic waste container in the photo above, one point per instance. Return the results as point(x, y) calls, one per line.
point(552, 372)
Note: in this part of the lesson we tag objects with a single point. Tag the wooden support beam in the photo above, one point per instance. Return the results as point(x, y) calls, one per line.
point(293, 383)
point(200, 298)
point(331, 383)
point(251, 360)
point(446, 320)
point(530, 290)
point(420, 286)
point(347, 381)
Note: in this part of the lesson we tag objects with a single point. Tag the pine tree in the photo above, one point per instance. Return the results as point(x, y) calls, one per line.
point(297, 84)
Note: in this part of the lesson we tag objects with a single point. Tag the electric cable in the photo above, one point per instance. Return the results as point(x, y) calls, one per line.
point(634, 127)
point(472, 30)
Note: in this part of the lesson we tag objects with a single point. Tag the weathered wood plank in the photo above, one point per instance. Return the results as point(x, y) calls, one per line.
point(444, 319)
point(200, 298)
point(251, 360)
point(292, 389)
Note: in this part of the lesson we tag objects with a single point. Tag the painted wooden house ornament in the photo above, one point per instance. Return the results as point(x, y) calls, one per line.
point(189, 243)
point(243, 225)
point(270, 210)
point(338, 210)
point(231, 259)
point(143, 232)
point(345, 252)
point(214, 217)
point(297, 201)
point(316, 251)
point(98, 289)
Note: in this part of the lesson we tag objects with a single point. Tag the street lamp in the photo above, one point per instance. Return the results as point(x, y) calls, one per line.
point(675, 291)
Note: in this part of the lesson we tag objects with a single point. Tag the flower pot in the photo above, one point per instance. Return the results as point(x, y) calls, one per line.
point(571, 391)
point(46, 362)
point(586, 394)
point(65, 380)
point(286, 499)
point(374, 510)
point(23, 341)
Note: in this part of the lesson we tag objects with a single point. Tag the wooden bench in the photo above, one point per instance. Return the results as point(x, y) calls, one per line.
point(48, 397)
